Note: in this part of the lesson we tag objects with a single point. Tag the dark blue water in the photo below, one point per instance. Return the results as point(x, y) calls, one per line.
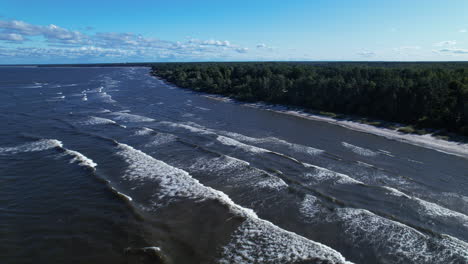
point(111, 165)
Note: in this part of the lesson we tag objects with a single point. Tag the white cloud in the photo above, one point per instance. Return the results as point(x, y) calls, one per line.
point(261, 45)
point(445, 43)
point(65, 43)
point(463, 30)
point(454, 51)
point(210, 42)
point(20, 27)
point(51, 33)
point(12, 37)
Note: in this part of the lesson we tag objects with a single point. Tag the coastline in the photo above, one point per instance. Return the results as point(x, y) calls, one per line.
point(429, 141)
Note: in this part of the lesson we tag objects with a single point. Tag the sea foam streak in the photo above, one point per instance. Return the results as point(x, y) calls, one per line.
point(245, 244)
point(359, 150)
point(40, 145)
point(126, 117)
point(93, 120)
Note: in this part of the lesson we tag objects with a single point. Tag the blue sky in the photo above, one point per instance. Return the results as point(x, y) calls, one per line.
point(124, 31)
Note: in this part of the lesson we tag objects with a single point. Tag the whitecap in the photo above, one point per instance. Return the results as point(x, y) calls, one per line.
point(144, 131)
point(126, 117)
point(40, 145)
point(161, 139)
point(359, 150)
point(93, 120)
point(321, 175)
point(310, 208)
point(394, 240)
point(234, 143)
point(259, 241)
point(81, 159)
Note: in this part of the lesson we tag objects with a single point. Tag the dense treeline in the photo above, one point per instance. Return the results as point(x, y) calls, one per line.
point(421, 94)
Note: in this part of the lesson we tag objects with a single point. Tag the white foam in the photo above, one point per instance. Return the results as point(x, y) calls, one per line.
point(436, 210)
point(81, 159)
point(40, 145)
point(396, 192)
point(310, 208)
point(259, 241)
point(93, 120)
point(202, 108)
point(186, 127)
point(234, 143)
point(433, 210)
point(275, 141)
point(143, 132)
point(174, 183)
point(242, 174)
point(359, 150)
point(274, 183)
point(126, 117)
point(106, 97)
point(235, 139)
point(161, 139)
point(321, 175)
point(399, 242)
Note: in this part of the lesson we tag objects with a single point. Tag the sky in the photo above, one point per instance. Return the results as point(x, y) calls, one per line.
point(61, 31)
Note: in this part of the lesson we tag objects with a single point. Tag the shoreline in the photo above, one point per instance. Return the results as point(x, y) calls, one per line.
point(429, 141)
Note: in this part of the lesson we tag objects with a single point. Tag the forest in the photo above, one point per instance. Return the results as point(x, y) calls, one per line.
point(422, 95)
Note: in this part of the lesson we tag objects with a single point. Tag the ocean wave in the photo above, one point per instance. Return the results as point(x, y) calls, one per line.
point(126, 117)
point(259, 241)
point(238, 140)
point(175, 183)
point(359, 150)
point(80, 159)
point(242, 174)
point(234, 143)
point(396, 242)
point(255, 240)
point(432, 210)
point(144, 131)
point(93, 120)
point(40, 145)
point(319, 175)
point(190, 128)
point(426, 141)
point(106, 98)
point(160, 139)
point(309, 208)
point(274, 141)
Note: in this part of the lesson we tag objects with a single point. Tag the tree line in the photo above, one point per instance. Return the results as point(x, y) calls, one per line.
point(426, 95)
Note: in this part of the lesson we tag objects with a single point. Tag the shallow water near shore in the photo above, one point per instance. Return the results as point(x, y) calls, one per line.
point(111, 165)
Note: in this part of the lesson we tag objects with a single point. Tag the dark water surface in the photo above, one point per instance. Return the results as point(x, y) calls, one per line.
point(110, 165)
